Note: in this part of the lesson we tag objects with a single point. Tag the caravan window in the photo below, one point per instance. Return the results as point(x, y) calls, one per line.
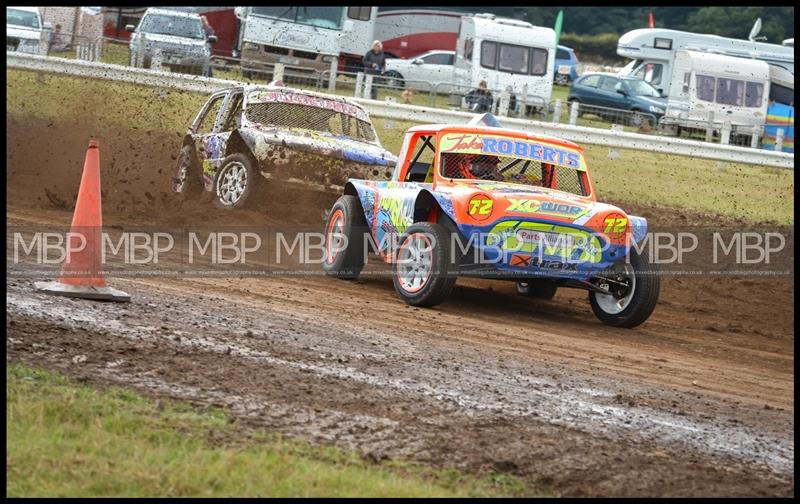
point(489, 55)
point(468, 44)
point(705, 88)
point(754, 94)
point(539, 66)
point(730, 91)
point(514, 59)
point(360, 13)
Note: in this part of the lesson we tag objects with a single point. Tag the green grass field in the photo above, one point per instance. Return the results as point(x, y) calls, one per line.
point(752, 193)
point(67, 439)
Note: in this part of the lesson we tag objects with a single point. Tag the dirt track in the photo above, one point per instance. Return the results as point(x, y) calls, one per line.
point(697, 401)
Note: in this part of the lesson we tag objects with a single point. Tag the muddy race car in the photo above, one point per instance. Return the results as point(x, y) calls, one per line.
point(246, 132)
point(480, 200)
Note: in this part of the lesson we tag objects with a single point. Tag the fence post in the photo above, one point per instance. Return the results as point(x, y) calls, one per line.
point(725, 134)
point(756, 136)
point(557, 111)
point(277, 73)
point(505, 98)
point(367, 87)
point(140, 52)
point(524, 109)
point(573, 113)
point(710, 128)
point(359, 82)
point(613, 153)
point(779, 139)
point(332, 76)
point(155, 62)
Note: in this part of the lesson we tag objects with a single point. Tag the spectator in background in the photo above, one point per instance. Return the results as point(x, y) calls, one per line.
point(481, 99)
point(56, 43)
point(374, 64)
point(407, 95)
point(209, 31)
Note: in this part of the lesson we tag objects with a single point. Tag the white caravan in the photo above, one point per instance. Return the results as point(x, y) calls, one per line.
point(652, 51)
point(505, 52)
point(714, 88)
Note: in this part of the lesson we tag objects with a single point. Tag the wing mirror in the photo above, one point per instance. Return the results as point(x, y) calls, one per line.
point(417, 61)
point(130, 28)
point(212, 39)
point(47, 26)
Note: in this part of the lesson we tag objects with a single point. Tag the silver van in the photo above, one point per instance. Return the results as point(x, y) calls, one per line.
point(175, 38)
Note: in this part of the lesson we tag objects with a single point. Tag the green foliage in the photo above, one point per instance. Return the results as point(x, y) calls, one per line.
point(736, 22)
point(66, 439)
point(597, 48)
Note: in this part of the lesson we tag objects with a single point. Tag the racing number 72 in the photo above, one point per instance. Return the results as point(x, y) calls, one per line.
point(480, 206)
point(617, 223)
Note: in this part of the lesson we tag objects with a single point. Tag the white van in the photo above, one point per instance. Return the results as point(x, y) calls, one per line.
point(505, 53)
point(25, 30)
point(721, 88)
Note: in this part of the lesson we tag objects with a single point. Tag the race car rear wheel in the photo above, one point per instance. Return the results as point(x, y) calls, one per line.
point(345, 231)
point(635, 285)
point(538, 288)
point(424, 270)
point(234, 182)
point(186, 181)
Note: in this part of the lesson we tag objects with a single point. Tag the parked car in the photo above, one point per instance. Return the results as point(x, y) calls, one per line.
point(243, 133)
point(179, 36)
point(494, 203)
point(25, 31)
point(566, 66)
point(620, 93)
point(430, 67)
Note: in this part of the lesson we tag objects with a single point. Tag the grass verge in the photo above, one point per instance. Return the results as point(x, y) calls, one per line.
point(752, 193)
point(67, 439)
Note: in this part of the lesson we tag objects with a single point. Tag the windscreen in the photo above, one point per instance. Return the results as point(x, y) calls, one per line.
point(22, 18)
point(511, 160)
point(292, 115)
point(175, 26)
point(641, 88)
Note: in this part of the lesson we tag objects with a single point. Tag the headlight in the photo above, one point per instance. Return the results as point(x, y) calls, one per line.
point(249, 46)
point(656, 110)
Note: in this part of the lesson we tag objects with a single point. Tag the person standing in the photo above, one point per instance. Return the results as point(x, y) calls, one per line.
point(209, 31)
point(374, 64)
point(56, 43)
point(481, 99)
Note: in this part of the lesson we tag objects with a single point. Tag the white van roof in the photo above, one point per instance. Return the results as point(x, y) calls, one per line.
point(513, 31)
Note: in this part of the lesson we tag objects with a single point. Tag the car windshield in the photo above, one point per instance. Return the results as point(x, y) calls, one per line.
point(511, 160)
point(177, 26)
point(22, 18)
point(293, 115)
point(641, 88)
point(319, 16)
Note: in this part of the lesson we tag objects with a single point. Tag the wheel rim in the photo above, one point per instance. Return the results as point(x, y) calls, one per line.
point(335, 231)
point(613, 305)
point(232, 183)
point(415, 262)
point(637, 119)
point(523, 287)
point(183, 172)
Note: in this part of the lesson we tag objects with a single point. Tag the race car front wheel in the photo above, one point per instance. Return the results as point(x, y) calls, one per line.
point(185, 180)
point(345, 233)
point(234, 182)
point(424, 270)
point(634, 284)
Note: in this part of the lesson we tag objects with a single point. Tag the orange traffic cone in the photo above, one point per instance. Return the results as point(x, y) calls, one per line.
point(82, 272)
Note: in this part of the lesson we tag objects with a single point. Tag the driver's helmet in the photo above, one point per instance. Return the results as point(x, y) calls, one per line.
point(478, 166)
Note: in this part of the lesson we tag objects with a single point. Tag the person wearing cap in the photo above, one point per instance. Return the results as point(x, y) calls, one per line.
point(374, 64)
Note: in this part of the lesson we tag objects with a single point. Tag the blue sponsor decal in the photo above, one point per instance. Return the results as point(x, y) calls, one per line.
point(506, 147)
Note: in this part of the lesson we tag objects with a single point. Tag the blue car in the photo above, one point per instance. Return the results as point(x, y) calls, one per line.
point(566, 67)
point(622, 93)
